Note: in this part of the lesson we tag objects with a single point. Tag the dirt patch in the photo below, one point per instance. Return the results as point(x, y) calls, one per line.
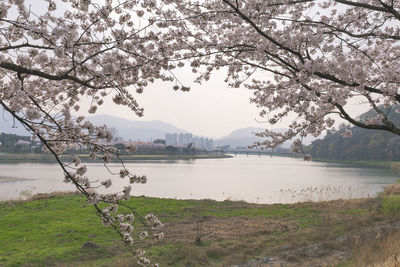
point(216, 229)
point(90, 245)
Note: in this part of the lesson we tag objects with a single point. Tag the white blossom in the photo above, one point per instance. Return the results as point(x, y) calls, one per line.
point(159, 236)
point(107, 183)
point(76, 160)
point(94, 198)
point(129, 218)
point(143, 235)
point(82, 170)
point(127, 192)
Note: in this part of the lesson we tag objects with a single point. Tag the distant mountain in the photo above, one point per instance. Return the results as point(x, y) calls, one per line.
point(151, 130)
point(241, 137)
point(127, 129)
point(136, 130)
point(243, 133)
point(246, 136)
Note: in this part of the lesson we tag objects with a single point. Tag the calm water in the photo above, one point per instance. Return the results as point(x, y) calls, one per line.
point(254, 179)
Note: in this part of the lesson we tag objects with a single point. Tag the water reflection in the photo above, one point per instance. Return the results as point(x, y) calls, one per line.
point(250, 178)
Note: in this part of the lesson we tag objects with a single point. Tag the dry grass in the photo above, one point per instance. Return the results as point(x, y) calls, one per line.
point(53, 194)
point(395, 165)
point(384, 251)
point(392, 189)
point(217, 229)
point(381, 246)
point(329, 238)
point(325, 193)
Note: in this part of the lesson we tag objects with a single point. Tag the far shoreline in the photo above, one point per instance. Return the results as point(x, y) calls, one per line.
point(387, 164)
point(47, 158)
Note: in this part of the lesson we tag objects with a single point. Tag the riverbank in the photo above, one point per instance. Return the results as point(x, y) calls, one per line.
point(47, 158)
point(63, 230)
point(395, 165)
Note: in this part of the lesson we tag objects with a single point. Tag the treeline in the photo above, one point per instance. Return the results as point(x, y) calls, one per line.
point(12, 143)
point(364, 144)
point(159, 148)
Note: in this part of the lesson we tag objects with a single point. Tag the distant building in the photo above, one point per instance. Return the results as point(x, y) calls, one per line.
point(171, 139)
point(184, 139)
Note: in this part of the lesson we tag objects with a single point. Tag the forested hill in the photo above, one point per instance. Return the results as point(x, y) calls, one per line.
point(363, 145)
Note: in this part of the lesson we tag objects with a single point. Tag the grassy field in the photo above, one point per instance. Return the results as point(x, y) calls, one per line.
point(63, 230)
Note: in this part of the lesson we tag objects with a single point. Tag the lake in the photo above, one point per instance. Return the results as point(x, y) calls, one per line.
point(257, 179)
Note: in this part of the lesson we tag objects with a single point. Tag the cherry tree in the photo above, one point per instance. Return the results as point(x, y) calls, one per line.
point(54, 57)
point(307, 58)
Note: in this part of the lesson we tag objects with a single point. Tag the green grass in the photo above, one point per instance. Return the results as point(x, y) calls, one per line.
point(52, 231)
point(49, 230)
point(391, 206)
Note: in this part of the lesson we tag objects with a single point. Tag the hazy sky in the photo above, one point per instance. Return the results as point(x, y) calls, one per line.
point(211, 109)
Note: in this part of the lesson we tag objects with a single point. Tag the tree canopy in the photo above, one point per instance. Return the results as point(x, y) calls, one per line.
point(307, 58)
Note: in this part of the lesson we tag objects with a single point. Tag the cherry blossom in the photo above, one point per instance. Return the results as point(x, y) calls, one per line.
point(303, 59)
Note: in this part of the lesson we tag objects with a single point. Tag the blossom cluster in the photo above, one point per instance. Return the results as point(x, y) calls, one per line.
point(303, 60)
